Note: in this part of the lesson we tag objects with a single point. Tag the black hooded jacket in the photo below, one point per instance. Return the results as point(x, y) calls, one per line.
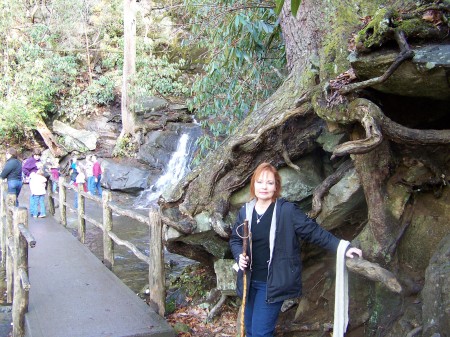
point(288, 224)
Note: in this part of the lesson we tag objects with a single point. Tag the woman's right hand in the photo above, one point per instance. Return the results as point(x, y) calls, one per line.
point(243, 261)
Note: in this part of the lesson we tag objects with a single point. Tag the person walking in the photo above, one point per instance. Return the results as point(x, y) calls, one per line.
point(37, 185)
point(73, 170)
point(90, 180)
point(272, 261)
point(54, 175)
point(79, 180)
point(31, 165)
point(12, 172)
point(97, 171)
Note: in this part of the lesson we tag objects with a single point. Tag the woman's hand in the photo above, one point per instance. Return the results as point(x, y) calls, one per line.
point(243, 261)
point(352, 251)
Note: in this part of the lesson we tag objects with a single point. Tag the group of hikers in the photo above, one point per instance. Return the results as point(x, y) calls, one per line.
point(37, 174)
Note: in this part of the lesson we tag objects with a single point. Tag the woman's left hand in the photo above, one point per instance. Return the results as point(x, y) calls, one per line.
point(352, 251)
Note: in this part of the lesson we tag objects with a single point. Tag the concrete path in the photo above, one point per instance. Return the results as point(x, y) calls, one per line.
point(74, 295)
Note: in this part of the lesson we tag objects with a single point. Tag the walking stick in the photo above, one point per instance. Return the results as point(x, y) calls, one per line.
point(244, 293)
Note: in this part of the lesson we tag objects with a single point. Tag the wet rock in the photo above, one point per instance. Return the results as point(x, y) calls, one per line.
point(159, 145)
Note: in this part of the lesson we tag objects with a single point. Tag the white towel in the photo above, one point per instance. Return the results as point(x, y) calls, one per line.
point(341, 292)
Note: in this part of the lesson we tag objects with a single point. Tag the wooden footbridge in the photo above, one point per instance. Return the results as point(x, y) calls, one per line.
point(58, 288)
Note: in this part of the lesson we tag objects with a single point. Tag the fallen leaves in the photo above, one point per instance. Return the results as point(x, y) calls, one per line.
point(195, 318)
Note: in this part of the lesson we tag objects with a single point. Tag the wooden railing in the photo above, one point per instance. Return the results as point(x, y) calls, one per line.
point(155, 260)
point(14, 240)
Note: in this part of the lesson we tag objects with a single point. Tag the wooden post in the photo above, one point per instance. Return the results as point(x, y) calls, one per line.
point(51, 201)
point(81, 214)
point(10, 205)
point(108, 243)
point(156, 275)
point(3, 237)
point(21, 296)
point(62, 201)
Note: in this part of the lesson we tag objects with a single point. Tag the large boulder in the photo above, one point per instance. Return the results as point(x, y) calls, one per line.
point(120, 177)
point(344, 203)
point(74, 139)
point(426, 75)
point(436, 292)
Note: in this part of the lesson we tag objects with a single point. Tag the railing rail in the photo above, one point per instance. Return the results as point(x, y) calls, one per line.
point(155, 260)
point(15, 238)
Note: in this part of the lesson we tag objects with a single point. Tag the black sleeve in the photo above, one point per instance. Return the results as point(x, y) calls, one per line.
point(236, 235)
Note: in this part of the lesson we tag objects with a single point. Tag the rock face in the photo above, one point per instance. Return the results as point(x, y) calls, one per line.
point(76, 140)
point(426, 75)
point(158, 145)
point(436, 292)
point(344, 203)
point(119, 177)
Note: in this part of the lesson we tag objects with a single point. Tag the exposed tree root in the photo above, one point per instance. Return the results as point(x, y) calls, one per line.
point(375, 122)
point(373, 138)
point(374, 272)
point(325, 186)
point(405, 54)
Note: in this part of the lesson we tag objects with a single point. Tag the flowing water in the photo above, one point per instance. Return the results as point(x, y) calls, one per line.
point(132, 271)
point(176, 169)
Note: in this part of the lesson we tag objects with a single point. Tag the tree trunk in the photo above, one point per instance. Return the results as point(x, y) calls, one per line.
point(287, 126)
point(129, 67)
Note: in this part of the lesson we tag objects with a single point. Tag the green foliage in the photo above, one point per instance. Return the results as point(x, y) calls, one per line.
point(158, 75)
point(195, 281)
point(15, 120)
point(295, 4)
point(124, 147)
point(244, 65)
point(101, 91)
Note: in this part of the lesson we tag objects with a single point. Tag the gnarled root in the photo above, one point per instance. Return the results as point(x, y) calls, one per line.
point(325, 186)
point(377, 124)
point(373, 139)
point(405, 54)
point(374, 272)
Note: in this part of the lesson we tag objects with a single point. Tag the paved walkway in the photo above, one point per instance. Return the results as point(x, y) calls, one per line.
point(74, 295)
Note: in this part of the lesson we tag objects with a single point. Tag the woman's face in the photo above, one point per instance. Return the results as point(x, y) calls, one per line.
point(265, 186)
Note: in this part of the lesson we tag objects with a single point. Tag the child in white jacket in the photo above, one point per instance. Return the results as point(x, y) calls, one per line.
point(38, 189)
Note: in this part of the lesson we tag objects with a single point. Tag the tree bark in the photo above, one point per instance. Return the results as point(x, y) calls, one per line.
point(129, 67)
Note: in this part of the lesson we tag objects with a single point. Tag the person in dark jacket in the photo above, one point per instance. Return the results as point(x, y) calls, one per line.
point(12, 172)
point(272, 260)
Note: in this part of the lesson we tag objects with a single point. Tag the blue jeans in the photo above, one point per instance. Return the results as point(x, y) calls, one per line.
point(14, 186)
point(35, 201)
point(97, 186)
point(260, 316)
point(91, 184)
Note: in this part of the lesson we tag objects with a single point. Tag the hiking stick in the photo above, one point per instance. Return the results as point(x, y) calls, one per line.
point(244, 293)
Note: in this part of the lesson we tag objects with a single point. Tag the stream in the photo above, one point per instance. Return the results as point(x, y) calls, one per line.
point(132, 271)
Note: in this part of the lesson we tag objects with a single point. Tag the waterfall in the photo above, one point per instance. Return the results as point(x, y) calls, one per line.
point(177, 168)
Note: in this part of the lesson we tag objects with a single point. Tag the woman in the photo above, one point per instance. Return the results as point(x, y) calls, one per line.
point(31, 165)
point(12, 172)
point(273, 256)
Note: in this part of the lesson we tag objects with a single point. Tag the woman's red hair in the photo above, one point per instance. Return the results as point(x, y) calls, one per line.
point(260, 169)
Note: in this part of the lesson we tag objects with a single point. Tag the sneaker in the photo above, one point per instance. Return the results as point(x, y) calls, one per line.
point(41, 216)
point(34, 216)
